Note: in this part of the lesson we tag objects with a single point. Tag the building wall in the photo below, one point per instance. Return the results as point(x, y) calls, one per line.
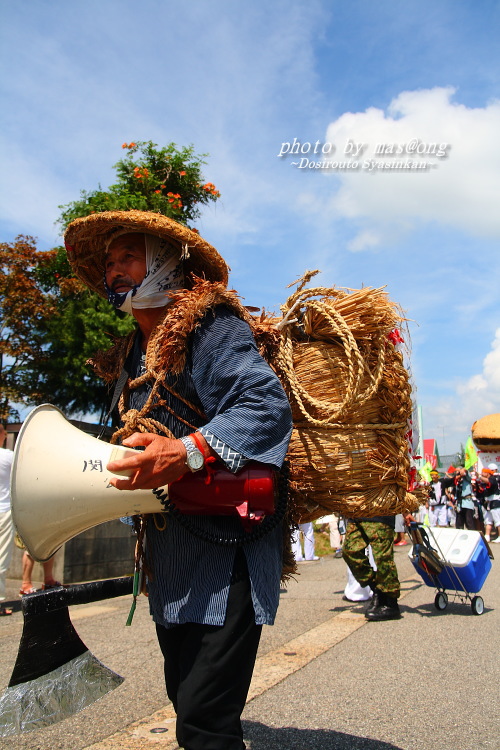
point(105, 551)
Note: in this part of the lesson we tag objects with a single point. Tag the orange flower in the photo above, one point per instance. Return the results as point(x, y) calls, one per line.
point(124, 145)
point(163, 186)
point(182, 173)
point(157, 191)
point(210, 188)
point(140, 174)
point(131, 145)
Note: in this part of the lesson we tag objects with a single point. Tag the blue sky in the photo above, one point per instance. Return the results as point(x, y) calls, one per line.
point(238, 80)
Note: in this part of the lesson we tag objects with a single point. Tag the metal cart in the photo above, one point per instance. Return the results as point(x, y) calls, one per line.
point(432, 557)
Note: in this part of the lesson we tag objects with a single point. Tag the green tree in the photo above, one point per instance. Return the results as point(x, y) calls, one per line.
point(50, 323)
point(82, 324)
point(166, 180)
point(23, 309)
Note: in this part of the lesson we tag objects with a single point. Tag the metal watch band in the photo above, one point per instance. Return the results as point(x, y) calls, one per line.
point(195, 460)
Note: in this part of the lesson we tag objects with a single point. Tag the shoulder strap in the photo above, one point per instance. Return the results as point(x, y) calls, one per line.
point(120, 385)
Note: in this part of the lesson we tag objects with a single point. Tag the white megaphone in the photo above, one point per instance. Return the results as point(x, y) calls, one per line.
point(60, 486)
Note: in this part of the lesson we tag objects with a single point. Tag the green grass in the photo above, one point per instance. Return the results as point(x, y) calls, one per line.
point(322, 540)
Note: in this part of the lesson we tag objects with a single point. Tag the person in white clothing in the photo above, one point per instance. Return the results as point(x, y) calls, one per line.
point(438, 499)
point(307, 531)
point(488, 494)
point(6, 526)
point(354, 591)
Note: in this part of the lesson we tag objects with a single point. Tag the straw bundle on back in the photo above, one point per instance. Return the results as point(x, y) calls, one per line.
point(351, 401)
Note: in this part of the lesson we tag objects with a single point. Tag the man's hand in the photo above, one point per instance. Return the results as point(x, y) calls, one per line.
point(408, 518)
point(162, 462)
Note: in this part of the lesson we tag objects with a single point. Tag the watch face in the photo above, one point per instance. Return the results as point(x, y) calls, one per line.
point(195, 460)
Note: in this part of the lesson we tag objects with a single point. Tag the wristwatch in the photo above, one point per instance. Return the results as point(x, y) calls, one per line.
point(195, 460)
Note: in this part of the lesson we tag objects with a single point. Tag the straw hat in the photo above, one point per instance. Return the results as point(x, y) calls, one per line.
point(86, 239)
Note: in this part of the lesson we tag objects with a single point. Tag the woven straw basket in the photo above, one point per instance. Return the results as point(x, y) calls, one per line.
point(351, 403)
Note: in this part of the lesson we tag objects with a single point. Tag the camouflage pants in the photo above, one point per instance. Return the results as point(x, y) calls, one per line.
point(380, 536)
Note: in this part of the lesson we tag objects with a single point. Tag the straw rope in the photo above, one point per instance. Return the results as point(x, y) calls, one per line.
point(165, 356)
point(357, 364)
point(138, 420)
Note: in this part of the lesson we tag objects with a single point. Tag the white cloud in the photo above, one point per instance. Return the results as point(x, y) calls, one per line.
point(473, 399)
point(458, 189)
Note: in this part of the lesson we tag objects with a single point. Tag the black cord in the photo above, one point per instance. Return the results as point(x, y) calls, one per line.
point(265, 527)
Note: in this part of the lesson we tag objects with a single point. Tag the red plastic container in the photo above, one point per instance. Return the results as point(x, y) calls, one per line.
point(250, 493)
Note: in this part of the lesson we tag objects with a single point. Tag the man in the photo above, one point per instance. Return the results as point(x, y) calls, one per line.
point(384, 582)
point(6, 526)
point(438, 499)
point(464, 499)
point(196, 390)
point(488, 494)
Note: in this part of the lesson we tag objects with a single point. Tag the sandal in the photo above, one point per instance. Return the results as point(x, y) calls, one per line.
point(54, 585)
point(4, 611)
point(23, 592)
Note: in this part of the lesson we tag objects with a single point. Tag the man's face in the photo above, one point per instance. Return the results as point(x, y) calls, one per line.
point(125, 265)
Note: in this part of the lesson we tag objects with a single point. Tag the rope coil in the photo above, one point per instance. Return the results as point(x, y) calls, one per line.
point(304, 301)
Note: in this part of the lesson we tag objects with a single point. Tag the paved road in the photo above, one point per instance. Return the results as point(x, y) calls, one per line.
point(325, 679)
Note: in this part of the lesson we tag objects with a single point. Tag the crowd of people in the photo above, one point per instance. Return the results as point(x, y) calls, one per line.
point(464, 499)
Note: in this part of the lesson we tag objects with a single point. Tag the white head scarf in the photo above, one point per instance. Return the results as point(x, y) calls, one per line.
point(164, 273)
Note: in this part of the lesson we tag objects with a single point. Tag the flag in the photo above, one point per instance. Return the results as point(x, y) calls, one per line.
point(425, 471)
point(470, 454)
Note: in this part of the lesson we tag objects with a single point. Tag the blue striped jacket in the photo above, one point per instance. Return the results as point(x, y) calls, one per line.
point(247, 410)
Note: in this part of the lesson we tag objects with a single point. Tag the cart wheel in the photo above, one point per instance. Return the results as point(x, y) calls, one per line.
point(477, 605)
point(441, 600)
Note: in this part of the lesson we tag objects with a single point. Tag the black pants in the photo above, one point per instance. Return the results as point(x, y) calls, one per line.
point(465, 519)
point(208, 670)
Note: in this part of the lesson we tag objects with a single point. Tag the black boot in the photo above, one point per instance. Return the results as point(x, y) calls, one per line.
point(387, 608)
point(374, 601)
